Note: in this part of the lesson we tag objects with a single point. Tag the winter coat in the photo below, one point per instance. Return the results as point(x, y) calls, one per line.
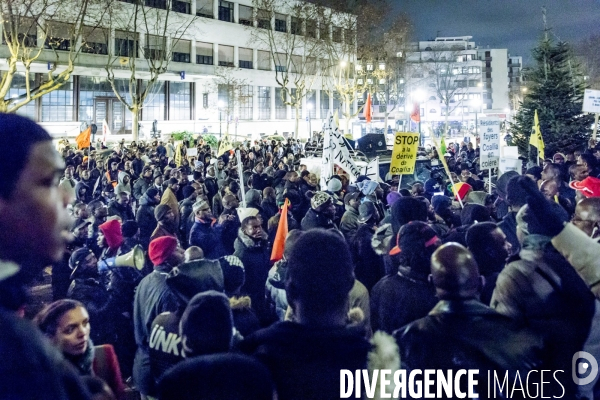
point(544, 292)
point(230, 230)
point(399, 299)
point(124, 212)
point(256, 257)
point(459, 335)
point(207, 236)
point(583, 253)
point(138, 166)
point(211, 187)
point(160, 231)
point(152, 298)
point(368, 266)
point(98, 303)
point(145, 219)
point(349, 223)
point(139, 188)
point(269, 209)
point(217, 204)
point(275, 287)
point(305, 362)
point(169, 198)
point(83, 197)
point(314, 219)
point(508, 226)
point(245, 320)
point(185, 209)
point(121, 186)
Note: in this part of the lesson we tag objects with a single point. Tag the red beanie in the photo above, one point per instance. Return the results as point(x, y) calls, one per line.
point(161, 248)
point(112, 233)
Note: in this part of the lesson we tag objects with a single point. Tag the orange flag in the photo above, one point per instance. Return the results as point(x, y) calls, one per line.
point(84, 138)
point(282, 231)
point(368, 109)
point(416, 114)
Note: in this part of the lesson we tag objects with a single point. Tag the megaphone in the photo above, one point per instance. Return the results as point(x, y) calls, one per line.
point(135, 258)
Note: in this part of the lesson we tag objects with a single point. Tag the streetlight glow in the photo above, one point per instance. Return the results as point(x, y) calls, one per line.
point(419, 95)
point(221, 104)
point(343, 64)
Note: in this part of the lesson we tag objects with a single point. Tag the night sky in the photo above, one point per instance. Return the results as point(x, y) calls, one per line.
point(512, 24)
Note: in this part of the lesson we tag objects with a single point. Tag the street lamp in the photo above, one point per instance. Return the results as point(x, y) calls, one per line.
point(476, 103)
point(220, 105)
point(309, 107)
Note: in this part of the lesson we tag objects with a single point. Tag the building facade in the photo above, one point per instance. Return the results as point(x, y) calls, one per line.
point(192, 94)
point(451, 79)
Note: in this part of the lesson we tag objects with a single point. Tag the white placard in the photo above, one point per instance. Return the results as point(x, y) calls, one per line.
point(510, 164)
point(192, 152)
point(489, 152)
point(591, 101)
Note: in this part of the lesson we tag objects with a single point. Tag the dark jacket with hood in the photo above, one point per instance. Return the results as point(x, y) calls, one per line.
point(140, 186)
point(256, 257)
point(207, 236)
point(145, 219)
point(458, 335)
point(305, 362)
point(314, 219)
point(123, 211)
point(508, 225)
point(83, 197)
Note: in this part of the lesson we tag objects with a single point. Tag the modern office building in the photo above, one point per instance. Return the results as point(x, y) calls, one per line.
point(451, 78)
point(217, 43)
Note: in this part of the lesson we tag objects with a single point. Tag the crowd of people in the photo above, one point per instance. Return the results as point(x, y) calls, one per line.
point(164, 271)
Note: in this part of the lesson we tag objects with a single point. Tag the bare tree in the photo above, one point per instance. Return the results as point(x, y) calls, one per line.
point(162, 30)
point(445, 69)
point(294, 46)
point(588, 54)
point(233, 93)
point(40, 31)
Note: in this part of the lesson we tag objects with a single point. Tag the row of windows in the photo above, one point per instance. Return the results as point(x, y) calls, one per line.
point(248, 16)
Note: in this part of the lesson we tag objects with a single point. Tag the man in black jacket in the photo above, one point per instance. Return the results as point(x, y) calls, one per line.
point(34, 230)
point(461, 333)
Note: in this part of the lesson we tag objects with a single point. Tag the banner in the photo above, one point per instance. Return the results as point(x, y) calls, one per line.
point(105, 132)
point(372, 170)
point(335, 152)
point(225, 145)
point(404, 154)
point(489, 152)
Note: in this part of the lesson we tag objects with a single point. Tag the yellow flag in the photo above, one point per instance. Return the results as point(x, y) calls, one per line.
point(179, 155)
point(536, 139)
point(225, 145)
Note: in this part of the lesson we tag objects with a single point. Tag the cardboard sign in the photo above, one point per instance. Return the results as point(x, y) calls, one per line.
point(489, 152)
point(591, 101)
point(404, 154)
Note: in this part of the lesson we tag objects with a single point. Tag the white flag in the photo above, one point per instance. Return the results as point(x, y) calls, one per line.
point(372, 170)
point(335, 152)
point(105, 131)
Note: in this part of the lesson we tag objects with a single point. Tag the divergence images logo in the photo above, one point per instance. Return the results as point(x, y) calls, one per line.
point(584, 364)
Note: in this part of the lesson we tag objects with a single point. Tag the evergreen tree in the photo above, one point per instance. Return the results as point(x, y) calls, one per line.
point(555, 90)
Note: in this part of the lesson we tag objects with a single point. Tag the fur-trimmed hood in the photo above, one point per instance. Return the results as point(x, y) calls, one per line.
point(247, 241)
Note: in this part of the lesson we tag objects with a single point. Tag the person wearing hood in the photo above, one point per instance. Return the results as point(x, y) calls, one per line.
point(143, 183)
point(268, 205)
point(152, 298)
point(206, 232)
point(406, 295)
point(368, 266)
point(515, 197)
point(190, 195)
point(502, 206)
point(145, 215)
point(210, 181)
point(120, 207)
point(251, 247)
point(349, 222)
point(321, 212)
point(169, 198)
point(319, 341)
point(207, 348)
point(124, 183)
point(110, 238)
point(543, 291)
point(196, 275)
point(442, 206)
point(460, 333)
point(83, 193)
point(167, 225)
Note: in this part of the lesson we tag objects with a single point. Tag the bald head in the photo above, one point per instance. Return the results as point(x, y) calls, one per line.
point(549, 188)
point(454, 272)
point(587, 216)
point(193, 253)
